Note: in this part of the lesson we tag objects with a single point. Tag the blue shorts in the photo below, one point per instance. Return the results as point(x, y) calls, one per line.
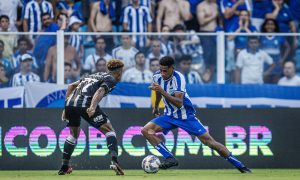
point(191, 125)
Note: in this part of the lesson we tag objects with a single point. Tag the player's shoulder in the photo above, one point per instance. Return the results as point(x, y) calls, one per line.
point(178, 74)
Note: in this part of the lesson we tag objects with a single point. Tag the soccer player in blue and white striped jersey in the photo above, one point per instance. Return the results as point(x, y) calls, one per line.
point(179, 113)
point(32, 15)
point(137, 18)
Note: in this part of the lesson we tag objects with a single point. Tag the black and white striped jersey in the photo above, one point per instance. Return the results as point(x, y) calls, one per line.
point(82, 96)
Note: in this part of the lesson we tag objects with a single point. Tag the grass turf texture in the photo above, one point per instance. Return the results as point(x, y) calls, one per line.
point(268, 174)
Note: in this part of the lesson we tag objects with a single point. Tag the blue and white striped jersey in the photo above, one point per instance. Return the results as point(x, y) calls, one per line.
point(76, 41)
point(33, 11)
point(21, 79)
point(176, 83)
point(138, 20)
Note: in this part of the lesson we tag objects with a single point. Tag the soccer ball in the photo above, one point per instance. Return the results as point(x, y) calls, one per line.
point(150, 164)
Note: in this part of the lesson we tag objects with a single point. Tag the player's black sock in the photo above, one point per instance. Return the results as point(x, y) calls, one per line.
point(112, 145)
point(69, 147)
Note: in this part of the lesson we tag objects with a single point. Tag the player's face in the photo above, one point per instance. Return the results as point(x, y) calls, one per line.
point(289, 69)
point(166, 72)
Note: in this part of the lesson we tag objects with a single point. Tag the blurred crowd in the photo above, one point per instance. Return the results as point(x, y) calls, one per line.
point(249, 59)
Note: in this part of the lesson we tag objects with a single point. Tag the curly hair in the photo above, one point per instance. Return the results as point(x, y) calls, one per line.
point(114, 64)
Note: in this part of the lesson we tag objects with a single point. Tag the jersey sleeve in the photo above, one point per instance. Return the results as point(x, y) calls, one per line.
point(180, 83)
point(108, 84)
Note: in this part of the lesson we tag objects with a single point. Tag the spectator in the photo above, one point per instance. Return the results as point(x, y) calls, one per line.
point(189, 45)
point(3, 78)
point(154, 65)
point(290, 78)
point(250, 63)
point(102, 14)
point(33, 15)
point(70, 57)
point(155, 50)
point(4, 61)
point(75, 39)
point(193, 24)
point(137, 18)
point(274, 45)
point(44, 42)
point(167, 46)
point(260, 9)
point(207, 13)
point(69, 8)
point(149, 4)
point(231, 11)
point(243, 26)
point(90, 61)
point(23, 46)
point(138, 74)
point(68, 75)
point(295, 10)
point(101, 65)
point(25, 75)
point(125, 52)
point(282, 14)
point(174, 12)
point(10, 8)
point(9, 40)
point(184, 66)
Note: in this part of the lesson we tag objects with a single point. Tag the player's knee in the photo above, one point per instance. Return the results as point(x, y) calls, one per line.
point(110, 134)
point(146, 131)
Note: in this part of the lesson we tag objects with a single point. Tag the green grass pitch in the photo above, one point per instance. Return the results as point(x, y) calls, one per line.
point(258, 174)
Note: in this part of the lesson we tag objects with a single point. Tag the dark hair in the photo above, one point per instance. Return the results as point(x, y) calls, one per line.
point(99, 37)
point(114, 65)
point(1, 65)
point(68, 64)
point(101, 59)
point(125, 31)
point(290, 61)
point(185, 57)
point(178, 27)
point(153, 59)
point(263, 26)
point(140, 52)
point(166, 61)
point(1, 42)
point(4, 16)
point(23, 38)
point(253, 38)
point(44, 14)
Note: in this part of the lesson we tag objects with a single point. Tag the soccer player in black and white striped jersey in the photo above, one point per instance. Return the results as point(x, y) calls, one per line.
point(82, 99)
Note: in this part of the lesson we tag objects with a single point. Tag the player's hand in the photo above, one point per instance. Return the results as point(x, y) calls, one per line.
point(90, 111)
point(155, 112)
point(156, 87)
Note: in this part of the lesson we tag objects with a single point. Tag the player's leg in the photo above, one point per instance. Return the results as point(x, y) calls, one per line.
point(112, 145)
point(101, 122)
point(222, 151)
point(149, 131)
point(72, 115)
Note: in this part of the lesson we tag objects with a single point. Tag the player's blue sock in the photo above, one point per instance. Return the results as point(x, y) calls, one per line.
point(163, 150)
point(234, 161)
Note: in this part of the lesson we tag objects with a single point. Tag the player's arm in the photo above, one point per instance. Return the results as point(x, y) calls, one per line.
point(95, 101)
point(176, 100)
point(158, 97)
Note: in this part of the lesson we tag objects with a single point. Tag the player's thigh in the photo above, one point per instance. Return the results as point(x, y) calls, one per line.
point(97, 120)
point(161, 124)
point(72, 115)
point(192, 125)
